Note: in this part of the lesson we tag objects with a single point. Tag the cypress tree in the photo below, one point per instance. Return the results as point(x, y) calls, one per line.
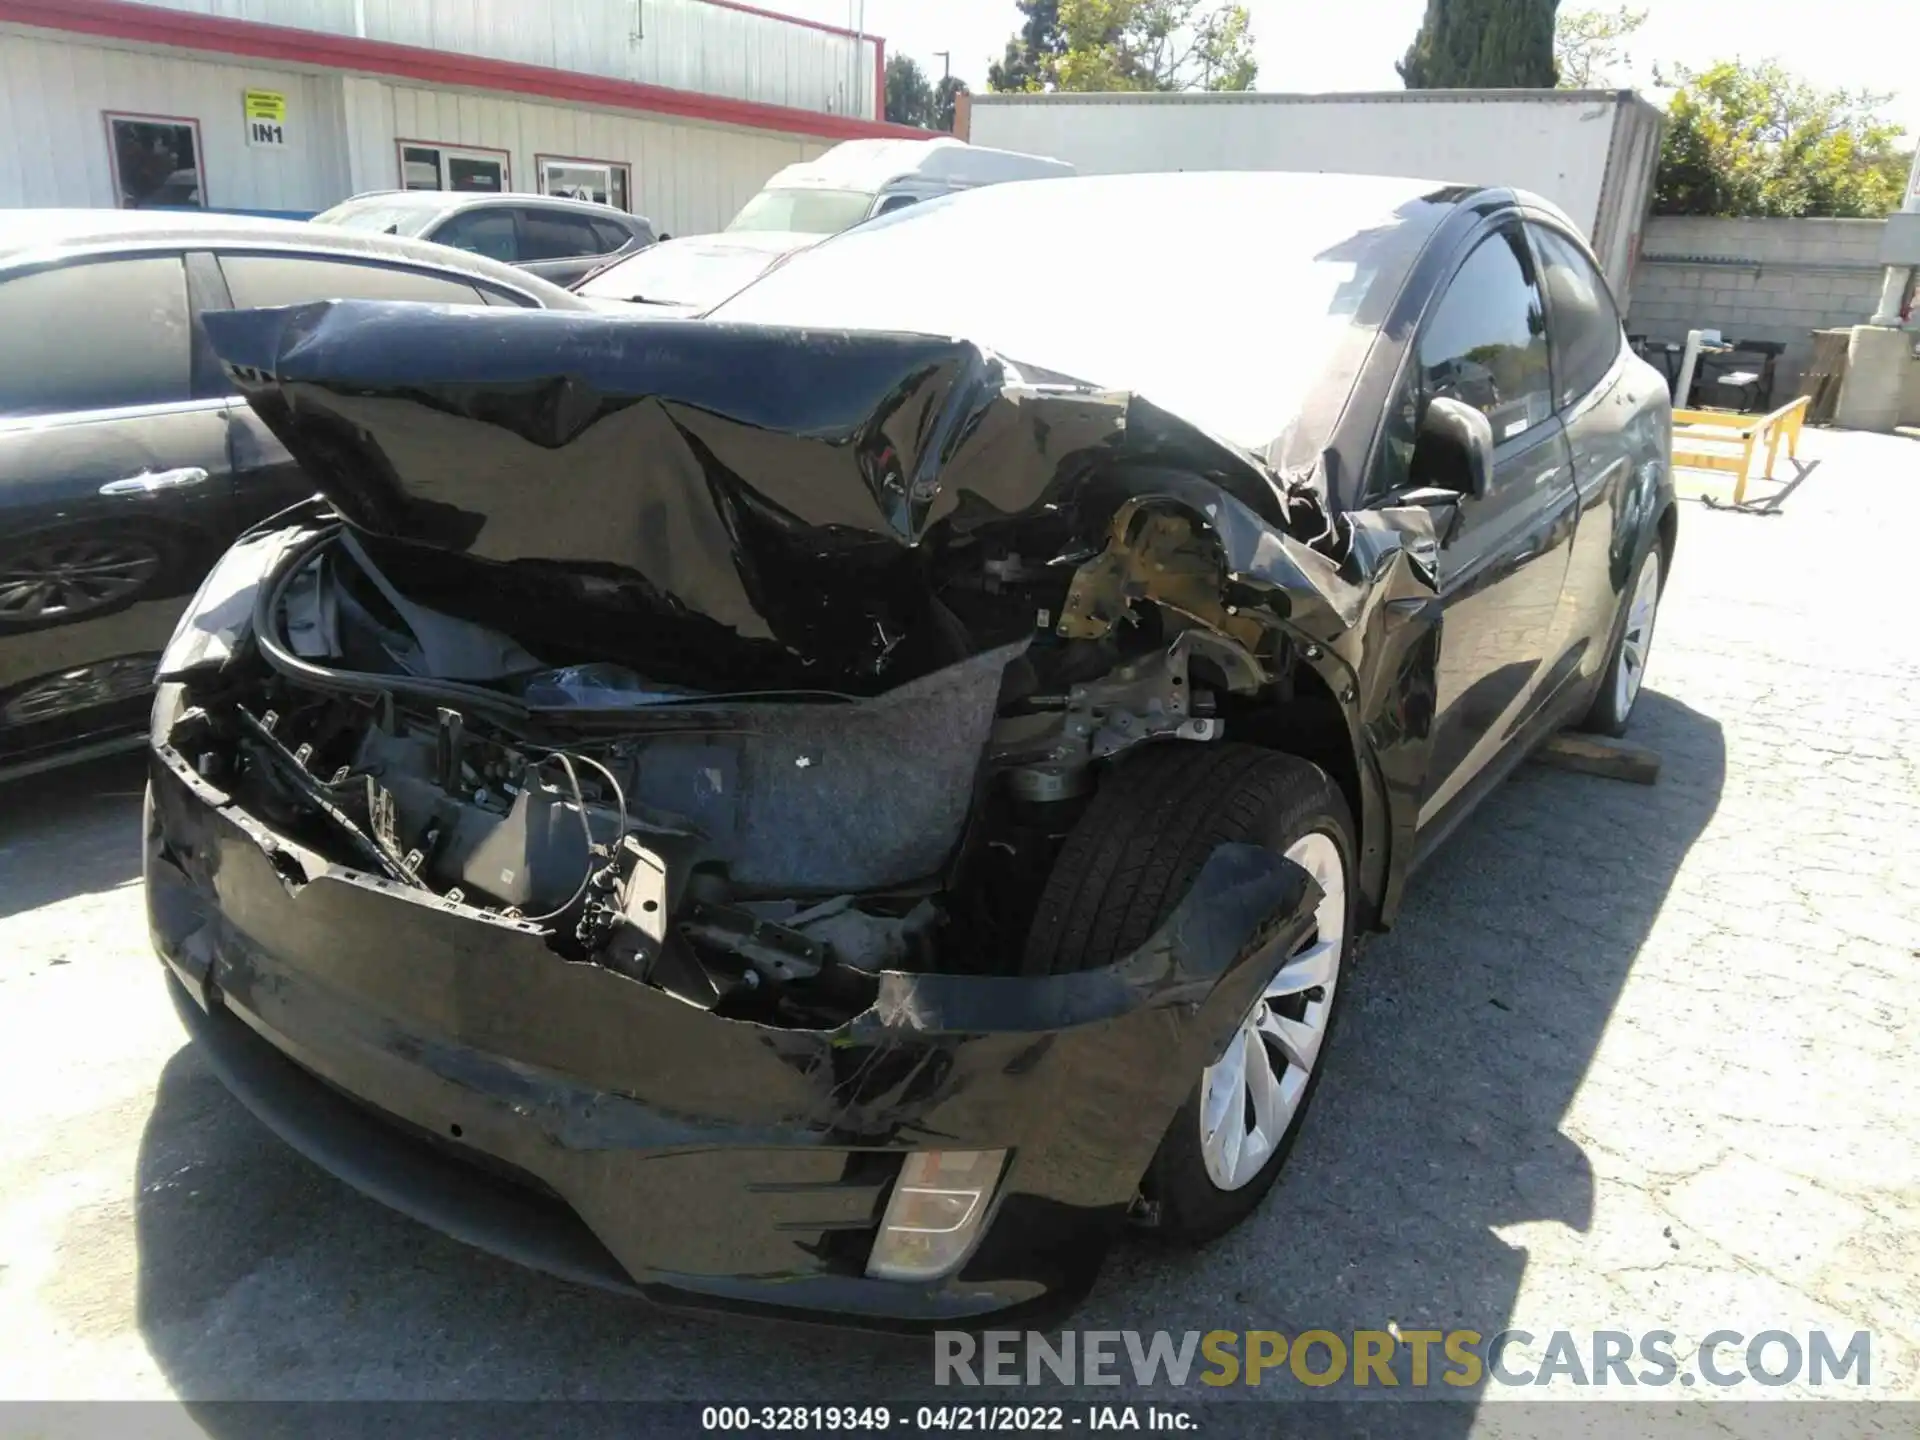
point(1483, 45)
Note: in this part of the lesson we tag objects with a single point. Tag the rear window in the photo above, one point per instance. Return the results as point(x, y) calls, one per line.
point(490, 232)
point(1586, 327)
point(611, 236)
point(261, 281)
point(95, 336)
point(557, 235)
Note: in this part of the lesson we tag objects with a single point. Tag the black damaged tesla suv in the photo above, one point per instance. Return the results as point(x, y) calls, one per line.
point(127, 462)
point(834, 805)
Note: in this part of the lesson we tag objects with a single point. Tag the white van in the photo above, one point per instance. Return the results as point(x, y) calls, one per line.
point(801, 206)
point(859, 179)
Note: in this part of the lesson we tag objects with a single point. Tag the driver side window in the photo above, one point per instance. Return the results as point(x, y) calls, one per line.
point(1484, 342)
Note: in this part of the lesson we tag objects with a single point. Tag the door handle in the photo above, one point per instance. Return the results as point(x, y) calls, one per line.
point(149, 481)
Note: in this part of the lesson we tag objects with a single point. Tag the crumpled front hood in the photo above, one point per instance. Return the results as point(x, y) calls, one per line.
point(722, 504)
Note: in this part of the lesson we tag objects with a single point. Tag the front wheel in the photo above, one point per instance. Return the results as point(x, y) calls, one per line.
point(1126, 865)
point(1633, 642)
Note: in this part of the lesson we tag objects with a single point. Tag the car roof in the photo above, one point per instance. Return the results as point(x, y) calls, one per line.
point(36, 236)
point(450, 202)
point(872, 163)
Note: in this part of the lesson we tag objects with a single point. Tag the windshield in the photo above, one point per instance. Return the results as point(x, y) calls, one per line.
point(1225, 299)
point(381, 217)
point(811, 212)
point(669, 275)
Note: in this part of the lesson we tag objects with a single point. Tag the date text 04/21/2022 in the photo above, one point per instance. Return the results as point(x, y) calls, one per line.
point(808, 1419)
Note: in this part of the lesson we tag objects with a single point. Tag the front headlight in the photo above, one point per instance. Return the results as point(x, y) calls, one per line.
point(938, 1205)
point(221, 611)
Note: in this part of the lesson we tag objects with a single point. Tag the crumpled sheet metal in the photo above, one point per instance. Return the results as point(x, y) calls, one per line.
point(751, 507)
point(220, 615)
point(1093, 1062)
point(785, 505)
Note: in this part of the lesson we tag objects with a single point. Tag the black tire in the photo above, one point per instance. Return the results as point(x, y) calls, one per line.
point(1126, 865)
point(1608, 715)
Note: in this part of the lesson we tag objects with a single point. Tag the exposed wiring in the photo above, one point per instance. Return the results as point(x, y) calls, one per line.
point(619, 794)
point(586, 829)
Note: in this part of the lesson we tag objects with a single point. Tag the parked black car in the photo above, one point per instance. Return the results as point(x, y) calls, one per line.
point(127, 464)
point(558, 240)
point(793, 809)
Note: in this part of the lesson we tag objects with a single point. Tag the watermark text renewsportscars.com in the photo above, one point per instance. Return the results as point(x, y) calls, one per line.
point(1443, 1360)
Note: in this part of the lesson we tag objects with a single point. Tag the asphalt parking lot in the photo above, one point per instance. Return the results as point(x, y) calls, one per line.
point(1634, 1058)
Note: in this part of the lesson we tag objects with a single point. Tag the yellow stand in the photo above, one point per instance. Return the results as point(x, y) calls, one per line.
point(1727, 440)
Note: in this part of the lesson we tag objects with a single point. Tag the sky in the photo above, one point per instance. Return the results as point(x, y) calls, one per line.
point(1306, 45)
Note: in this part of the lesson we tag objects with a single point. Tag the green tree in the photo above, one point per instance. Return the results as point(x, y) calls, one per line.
point(1482, 45)
point(1589, 46)
point(909, 96)
point(1095, 45)
point(1757, 140)
point(945, 95)
point(1033, 50)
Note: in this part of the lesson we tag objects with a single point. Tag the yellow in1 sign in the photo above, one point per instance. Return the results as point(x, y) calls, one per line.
point(266, 121)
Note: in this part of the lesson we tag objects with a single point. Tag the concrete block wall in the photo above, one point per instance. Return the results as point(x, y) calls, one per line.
point(1774, 280)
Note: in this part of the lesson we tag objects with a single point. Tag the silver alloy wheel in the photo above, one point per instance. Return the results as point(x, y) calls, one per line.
point(1250, 1095)
point(123, 679)
point(1637, 639)
point(65, 578)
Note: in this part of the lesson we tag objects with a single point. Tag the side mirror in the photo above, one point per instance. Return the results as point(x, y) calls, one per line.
point(1454, 448)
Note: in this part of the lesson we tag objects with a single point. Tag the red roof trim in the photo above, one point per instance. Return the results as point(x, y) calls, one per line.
point(183, 30)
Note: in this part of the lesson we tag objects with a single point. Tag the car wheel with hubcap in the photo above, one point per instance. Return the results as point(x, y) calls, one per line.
point(105, 683)
point(60, 578)
point(1249, 1097)
point(1124, 868)
point(1632, 644)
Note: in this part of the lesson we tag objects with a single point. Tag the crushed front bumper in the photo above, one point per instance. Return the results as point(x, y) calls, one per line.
point(446, 1062)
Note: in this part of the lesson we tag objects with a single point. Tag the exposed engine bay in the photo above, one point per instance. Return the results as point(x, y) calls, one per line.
point(761, 855)
point(853, 745)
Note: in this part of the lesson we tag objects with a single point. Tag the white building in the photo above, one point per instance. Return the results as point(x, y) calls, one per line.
point(674, 109)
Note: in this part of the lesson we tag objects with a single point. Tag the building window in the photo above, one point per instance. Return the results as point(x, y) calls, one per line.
point(427, 165)
point(156, 161)
point(603, 181)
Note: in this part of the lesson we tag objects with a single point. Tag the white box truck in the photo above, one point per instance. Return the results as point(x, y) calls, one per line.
point(1593, 153)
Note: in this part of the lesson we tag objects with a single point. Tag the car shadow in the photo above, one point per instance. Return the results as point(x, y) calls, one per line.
point(1465, 1037)
point(72, 831)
